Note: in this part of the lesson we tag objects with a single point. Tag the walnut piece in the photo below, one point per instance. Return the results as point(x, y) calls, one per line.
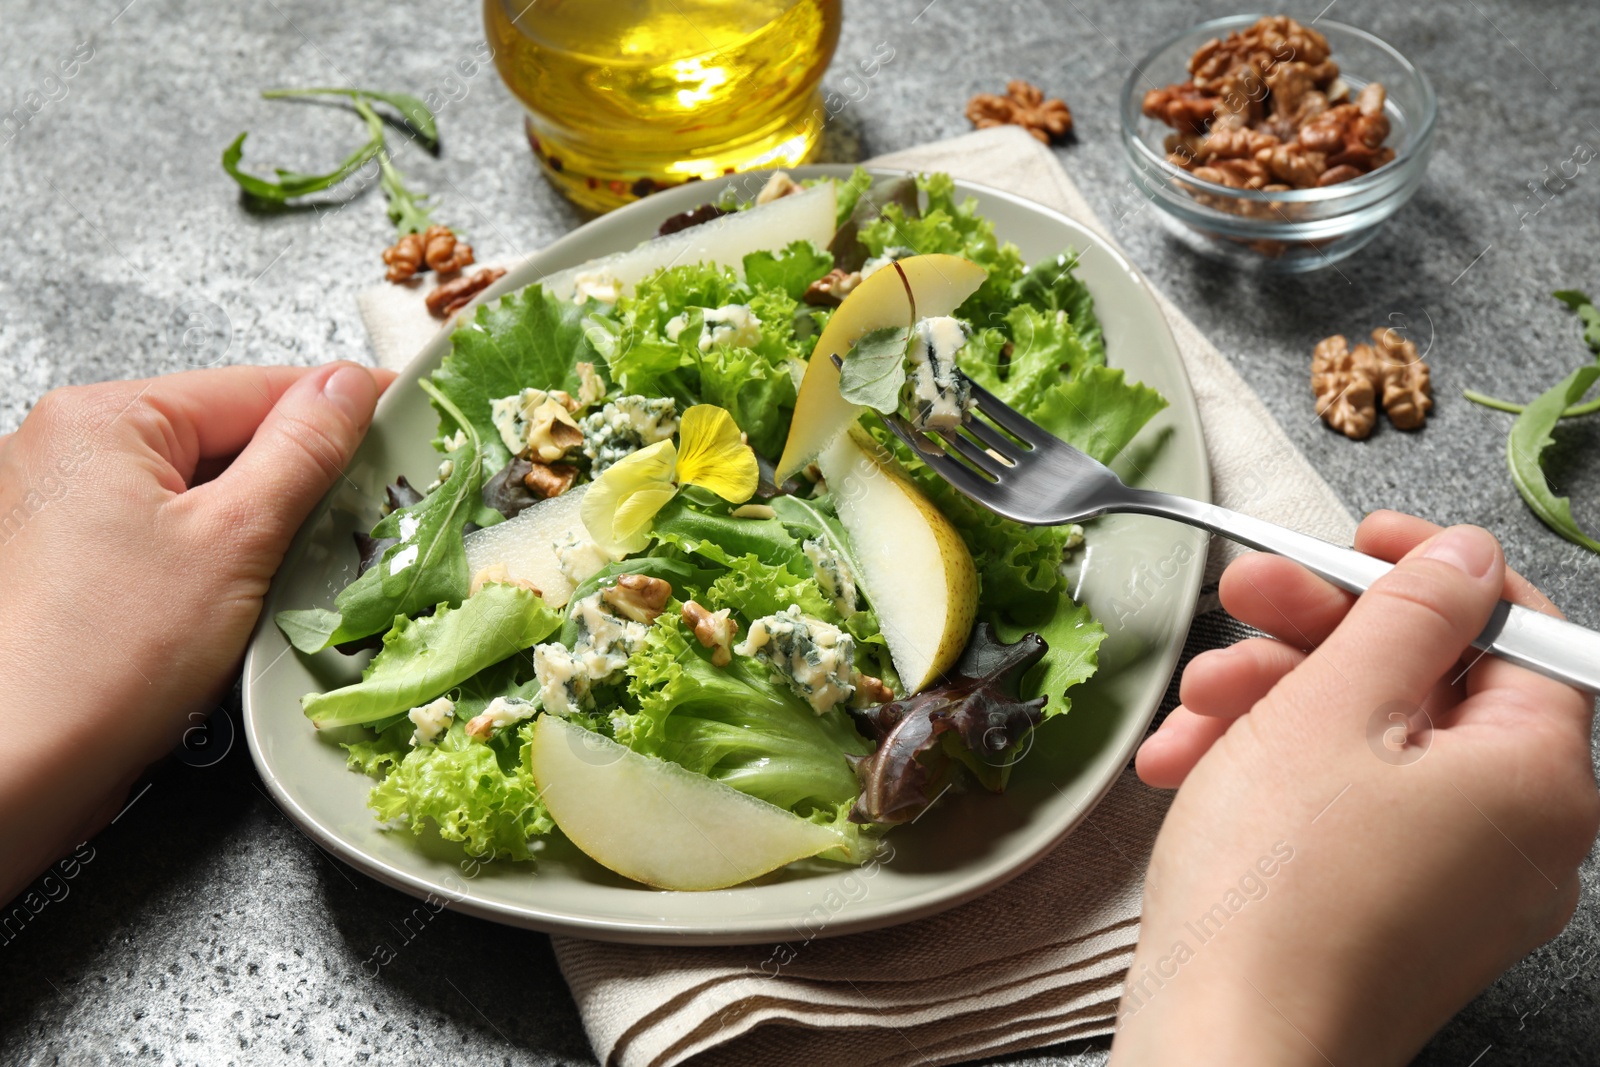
point(404, 257)
point(1022, 105)
point(1342, 382)
point(1406, 386)
point(870, 691)
point(831, 289)
point(713, 629)
point(778, 186)
point(442, 252)
point(552, 431)
point(547, 480)
point(451, 296)
point(637, 596)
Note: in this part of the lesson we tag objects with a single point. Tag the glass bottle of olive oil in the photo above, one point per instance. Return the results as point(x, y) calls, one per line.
point(625, 97)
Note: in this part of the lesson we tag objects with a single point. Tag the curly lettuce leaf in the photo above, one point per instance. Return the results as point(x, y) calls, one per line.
point(1098, 411)
point(848, 193)
point(528, 339)
point(1052, 285)
point(735, 725)
point(789, 270)
point(480, 794)
point(1045, 349)
point(424, 657)
point(424, 564)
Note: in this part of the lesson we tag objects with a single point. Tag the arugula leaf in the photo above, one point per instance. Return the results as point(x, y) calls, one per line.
point(1053, 285)
point(791, 270)
point(426, 565)
point(874, 372)
point(1580, 303)
point(1530, 435)
point(482, 795)
point(1098, 411)
point(291, 184)
point(527, 339)
point(412, 110)
point(422, 658)
point(406, 209)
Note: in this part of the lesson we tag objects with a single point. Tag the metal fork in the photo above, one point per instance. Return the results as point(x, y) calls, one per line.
point(1028, 475)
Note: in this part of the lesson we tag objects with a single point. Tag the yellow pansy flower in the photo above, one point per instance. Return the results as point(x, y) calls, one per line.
point(620, 506)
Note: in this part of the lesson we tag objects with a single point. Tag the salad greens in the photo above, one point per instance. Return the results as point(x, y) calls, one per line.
point(1533, 432)
point(736, 640)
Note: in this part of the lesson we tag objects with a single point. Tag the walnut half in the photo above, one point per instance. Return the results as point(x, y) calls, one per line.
point(637, 596)
point(1406, 386)
point(1344, 384)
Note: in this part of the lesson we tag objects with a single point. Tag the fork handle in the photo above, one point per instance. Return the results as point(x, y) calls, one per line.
point(1554, 647)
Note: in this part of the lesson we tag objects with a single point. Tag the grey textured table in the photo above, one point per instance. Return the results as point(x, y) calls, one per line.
point(206, 929)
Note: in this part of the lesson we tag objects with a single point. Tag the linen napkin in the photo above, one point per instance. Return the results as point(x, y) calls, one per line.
point(1037, 961)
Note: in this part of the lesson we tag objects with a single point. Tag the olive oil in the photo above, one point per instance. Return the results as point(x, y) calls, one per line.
point(625, 97)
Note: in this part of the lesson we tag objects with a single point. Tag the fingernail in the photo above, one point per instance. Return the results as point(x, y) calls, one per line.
point(352, 390)
point(1467, 550)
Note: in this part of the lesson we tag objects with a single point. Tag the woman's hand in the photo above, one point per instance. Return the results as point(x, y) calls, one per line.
point(140, 524)
point(1374, 819)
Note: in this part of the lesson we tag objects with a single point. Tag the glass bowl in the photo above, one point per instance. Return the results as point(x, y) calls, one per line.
point(1293, 230)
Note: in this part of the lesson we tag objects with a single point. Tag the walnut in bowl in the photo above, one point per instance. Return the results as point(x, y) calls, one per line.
point(1275, 145)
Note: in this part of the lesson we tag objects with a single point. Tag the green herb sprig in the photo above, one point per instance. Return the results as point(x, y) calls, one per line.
point(407, 209)
point(874, 372)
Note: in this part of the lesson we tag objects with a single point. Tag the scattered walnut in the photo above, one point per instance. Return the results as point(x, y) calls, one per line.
point(404, 257)
point(713, 629)
point(831, 289)
point(442, 252)
point(1347, 381)
point(637, 596)
point(451, 296)
point(870, 691)
point(1406, 381)
point(1022, 105)
point(497, 574)
point(547, 480)
point(778, 186)
point(1342, 383)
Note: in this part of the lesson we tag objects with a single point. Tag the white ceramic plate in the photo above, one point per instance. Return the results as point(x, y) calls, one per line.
point(1140, 577)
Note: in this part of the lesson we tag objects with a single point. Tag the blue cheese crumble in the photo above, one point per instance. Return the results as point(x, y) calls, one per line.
point(536, 423)
point(432, 720)
point(501, 712)
point(624, 426)
point(832, 574)
point(937, 393)
point(734, 325)
point(601, 649)
point(579, 558)
point(815, 658)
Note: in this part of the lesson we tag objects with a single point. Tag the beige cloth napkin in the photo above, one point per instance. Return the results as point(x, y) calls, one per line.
point(1039, 960)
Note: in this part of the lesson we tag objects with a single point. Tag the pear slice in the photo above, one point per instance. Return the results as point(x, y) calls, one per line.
point(656, 822)
point(525, 545)
point(914, 567)
point(725, 241)
point(940, 283)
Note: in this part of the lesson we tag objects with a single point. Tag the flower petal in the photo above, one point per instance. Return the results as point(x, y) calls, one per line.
point(712, 454)
point(619, 506)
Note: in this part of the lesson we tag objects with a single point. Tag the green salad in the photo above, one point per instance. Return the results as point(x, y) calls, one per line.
point(677, 593)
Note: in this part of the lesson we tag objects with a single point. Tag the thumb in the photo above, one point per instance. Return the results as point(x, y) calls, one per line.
point(296, 455)
point(1413, 624)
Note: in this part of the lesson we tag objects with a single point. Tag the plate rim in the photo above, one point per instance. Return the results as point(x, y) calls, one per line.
point(744, 929)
